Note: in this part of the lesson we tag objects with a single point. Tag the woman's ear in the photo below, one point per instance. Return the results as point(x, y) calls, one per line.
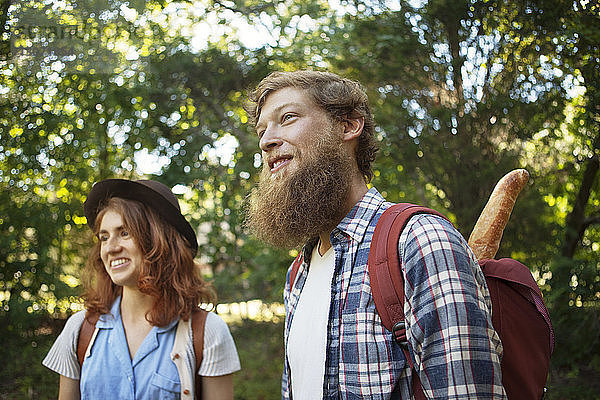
point(353, 127)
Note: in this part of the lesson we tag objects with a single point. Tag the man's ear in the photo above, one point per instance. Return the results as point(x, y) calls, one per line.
point(353, 127)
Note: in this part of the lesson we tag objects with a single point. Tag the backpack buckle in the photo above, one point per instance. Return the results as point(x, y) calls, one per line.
point(399, 332)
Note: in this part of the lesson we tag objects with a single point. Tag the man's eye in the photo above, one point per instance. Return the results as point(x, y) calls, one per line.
point(287, 116)
point(103, 238)
point(124, 233)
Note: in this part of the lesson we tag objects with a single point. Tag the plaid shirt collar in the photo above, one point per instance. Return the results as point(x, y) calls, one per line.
point(354, 225)
point(356, 222)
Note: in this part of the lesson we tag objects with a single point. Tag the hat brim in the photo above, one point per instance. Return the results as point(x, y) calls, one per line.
point(131, 190)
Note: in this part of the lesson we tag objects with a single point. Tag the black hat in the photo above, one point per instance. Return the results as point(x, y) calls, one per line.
point(151, 193)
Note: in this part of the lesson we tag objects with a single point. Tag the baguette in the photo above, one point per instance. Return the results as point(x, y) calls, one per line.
point(487, 233)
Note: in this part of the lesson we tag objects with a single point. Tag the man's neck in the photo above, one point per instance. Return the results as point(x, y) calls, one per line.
point(324, 243)
point(357, 191)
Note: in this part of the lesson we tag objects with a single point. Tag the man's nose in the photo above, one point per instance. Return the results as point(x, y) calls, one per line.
point(270, 139)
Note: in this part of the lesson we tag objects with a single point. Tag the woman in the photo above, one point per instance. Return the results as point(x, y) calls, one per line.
point(142, 286)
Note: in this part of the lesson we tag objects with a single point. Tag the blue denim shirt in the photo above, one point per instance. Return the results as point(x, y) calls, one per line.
point(110, 373)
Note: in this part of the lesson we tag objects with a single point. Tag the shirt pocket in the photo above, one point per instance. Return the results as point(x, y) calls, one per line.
point(368, 348)
point(164, 388)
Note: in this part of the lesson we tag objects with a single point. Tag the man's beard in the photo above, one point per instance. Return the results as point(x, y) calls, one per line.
point(291, 209)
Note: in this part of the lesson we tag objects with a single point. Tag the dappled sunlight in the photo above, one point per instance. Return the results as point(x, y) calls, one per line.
point(254, 310)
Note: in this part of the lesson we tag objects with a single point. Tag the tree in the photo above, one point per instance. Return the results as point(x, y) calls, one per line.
point(575, 286)
point(462, 92)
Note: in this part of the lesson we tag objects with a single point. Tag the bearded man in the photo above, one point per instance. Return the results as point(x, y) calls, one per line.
point(316, 134)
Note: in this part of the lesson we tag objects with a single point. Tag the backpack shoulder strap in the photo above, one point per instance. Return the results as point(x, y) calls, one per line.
point(86, 331)
point(295, 267)
point(198, 322)
point(387, 282)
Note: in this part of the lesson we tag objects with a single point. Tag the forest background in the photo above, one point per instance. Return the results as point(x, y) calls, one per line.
point(462, 92)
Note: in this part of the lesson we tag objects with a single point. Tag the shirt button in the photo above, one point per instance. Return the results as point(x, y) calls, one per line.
point(186, 392)
point(176, 356)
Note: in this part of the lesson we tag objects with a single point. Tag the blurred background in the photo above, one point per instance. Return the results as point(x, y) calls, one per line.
point(462, 92)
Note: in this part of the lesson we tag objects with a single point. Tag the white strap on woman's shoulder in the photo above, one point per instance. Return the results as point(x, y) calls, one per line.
point(180, 358)
point(88, 350)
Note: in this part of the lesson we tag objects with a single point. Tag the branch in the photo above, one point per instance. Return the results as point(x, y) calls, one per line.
point(591, 221)
point(4, 44)
point(457, 64)
point(235, 10)
point(487, 85)
point(244, 10)
point(247, 11)
point(4, 15)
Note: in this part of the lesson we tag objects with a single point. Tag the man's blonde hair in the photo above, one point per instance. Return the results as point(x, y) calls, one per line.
point(341, 98)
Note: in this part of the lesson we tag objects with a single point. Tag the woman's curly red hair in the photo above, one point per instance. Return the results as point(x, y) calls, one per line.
point(168, 273)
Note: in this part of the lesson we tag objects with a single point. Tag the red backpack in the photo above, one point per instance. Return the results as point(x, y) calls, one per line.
point(518, 311)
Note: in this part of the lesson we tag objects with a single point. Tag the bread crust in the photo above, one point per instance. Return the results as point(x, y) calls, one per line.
point(487, 233)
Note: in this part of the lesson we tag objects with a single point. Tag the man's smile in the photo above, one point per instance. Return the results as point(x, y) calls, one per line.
point(279, 162)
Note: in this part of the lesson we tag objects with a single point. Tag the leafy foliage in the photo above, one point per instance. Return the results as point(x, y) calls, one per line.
point(462, 92)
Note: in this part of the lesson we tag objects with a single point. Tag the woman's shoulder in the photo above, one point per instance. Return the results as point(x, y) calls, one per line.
point(62, 357)
point(74, 322)
point(220, 353)
point(216, 332)
point(215, 322)
point(215, 328)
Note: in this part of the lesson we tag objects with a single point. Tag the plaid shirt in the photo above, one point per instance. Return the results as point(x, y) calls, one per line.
point(447, 308)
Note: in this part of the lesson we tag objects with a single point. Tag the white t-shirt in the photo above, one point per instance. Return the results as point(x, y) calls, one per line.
point(307, 340)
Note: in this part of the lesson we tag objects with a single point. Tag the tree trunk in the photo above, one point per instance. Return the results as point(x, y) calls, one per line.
point(576, 224)
point(576, 220)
